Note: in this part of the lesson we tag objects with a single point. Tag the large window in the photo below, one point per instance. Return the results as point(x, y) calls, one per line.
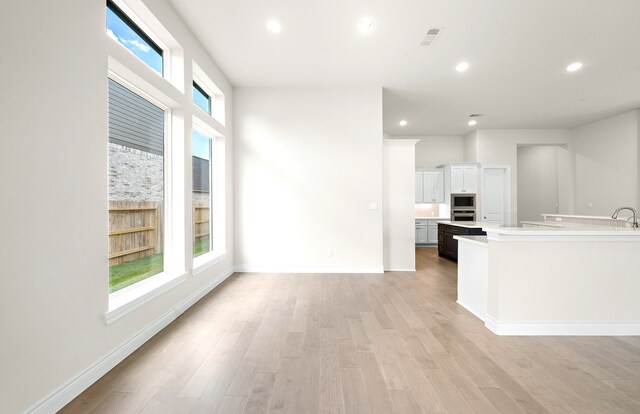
point(202, 151)
point(122, 29)
point(149, 247)
point(136, 187)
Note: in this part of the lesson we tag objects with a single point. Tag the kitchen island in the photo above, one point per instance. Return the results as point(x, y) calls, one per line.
point(579, 280)
point(447, 232)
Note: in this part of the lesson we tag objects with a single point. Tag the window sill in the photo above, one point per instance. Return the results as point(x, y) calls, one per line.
point(204, 262)
point(130, 298)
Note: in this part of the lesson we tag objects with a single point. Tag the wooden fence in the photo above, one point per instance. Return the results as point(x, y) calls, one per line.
point(200, 220)
point(134, 230)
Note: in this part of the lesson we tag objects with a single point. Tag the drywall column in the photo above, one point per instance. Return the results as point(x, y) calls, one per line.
point(398, 198)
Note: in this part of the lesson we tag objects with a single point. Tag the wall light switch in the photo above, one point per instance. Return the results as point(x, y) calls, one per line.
point(373, 206)
point(590, 204)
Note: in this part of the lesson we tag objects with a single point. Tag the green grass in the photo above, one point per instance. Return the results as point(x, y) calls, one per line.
point(128, 273)
point(201, 246)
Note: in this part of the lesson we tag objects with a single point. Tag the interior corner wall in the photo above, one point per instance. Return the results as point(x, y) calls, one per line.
point(308, 167)
point(54, 215)
point(432, 151)
point(606, 164)
point(398, 171)
point(538, 180)
point(500, 147)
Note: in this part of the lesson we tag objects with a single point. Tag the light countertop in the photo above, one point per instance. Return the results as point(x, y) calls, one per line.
point(578, 217)
point(544, 223)
point(478, 240)
point(466, 224)
point(551, 229)
point(571, 230)
point(431, 218)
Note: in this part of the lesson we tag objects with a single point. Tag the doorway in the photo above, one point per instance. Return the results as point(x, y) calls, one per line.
point(495, 195)
point(542, 181)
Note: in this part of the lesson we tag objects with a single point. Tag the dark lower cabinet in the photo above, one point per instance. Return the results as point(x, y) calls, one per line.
point(447, 245)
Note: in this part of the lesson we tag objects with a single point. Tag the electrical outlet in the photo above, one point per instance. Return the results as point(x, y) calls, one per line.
point(330, 253)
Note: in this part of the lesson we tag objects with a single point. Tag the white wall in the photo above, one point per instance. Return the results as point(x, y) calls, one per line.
point(470, 147)
point(398, 187)
point(537, 181)
point(500, 147)
point(606, 164)
point(53, 180)
point(308, 163)
point(432, 151)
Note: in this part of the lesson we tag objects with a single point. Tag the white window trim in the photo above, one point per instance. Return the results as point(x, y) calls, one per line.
point(216, 95)
point(131, 297)
point(206, 261)
point(217, 238)
point(173, 53)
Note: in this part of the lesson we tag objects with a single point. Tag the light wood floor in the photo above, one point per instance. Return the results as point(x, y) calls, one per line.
point(392, 343)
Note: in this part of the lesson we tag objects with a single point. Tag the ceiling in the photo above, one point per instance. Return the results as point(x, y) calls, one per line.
point(517, 50)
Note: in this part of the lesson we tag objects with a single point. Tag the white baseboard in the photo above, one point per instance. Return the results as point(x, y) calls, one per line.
point(562, 328)
point(66, 393)
point(476, 314)
point(306, 269)
point(399, 270)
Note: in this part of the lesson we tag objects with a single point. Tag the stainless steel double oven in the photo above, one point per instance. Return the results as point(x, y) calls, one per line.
point(463, 207)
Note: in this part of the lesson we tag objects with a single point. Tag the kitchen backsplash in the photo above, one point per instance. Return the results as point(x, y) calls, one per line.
point(427, 210)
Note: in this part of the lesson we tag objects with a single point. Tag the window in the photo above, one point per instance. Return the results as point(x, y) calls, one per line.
point(201, 98)
point(122, 29)
point(202, 151)
point(136, 187)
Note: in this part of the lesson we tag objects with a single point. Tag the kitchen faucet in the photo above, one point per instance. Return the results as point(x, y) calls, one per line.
point(635, 215)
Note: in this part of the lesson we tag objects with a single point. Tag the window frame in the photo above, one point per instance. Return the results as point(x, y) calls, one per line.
point(131, 297)
point(166, 192)
point(117, 10)
point(218, 101)
point(170, 93)
point(209, 98)
point(212, 210)
point(217, 218)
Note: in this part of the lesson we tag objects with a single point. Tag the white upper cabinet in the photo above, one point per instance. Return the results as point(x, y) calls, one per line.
point(464, 179)
point(431, 186)
point(457, 179)
point(434, 192)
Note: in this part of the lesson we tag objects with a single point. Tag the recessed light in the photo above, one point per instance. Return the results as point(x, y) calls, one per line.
point(462, 66)
point(403, 122)
point(574, 66)
point(274, 26)
point(472, 122)
point(365, 25)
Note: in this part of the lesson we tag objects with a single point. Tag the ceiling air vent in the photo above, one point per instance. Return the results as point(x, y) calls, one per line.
point(475, 115)
point(431, 36)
